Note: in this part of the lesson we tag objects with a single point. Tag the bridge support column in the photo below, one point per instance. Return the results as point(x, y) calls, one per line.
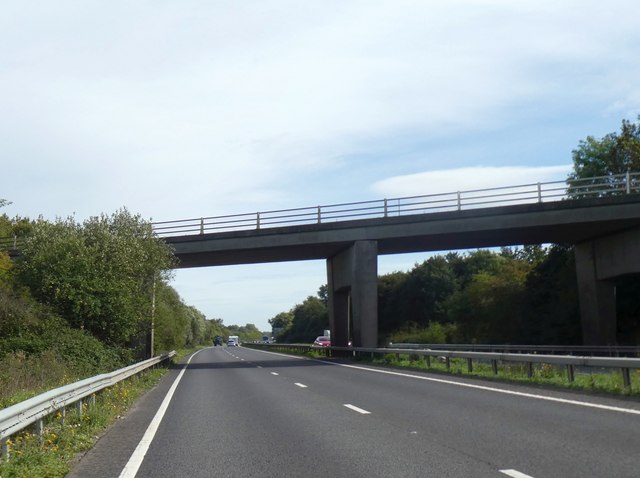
point(352, 282)
point(597, 298)
point(598, 264)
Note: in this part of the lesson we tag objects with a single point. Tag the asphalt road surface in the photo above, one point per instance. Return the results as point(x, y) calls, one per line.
point(239, 412)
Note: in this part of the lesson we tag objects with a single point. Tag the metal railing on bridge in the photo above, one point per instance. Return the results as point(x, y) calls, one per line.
point(601, 186)
point(404, 206)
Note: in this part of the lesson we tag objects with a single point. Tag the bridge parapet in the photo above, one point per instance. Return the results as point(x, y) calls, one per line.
point(595, 187)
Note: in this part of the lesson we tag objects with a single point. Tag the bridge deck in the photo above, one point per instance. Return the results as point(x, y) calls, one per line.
point(569, 221)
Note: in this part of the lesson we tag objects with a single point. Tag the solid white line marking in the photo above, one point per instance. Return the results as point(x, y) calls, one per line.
point(496, 390)
point(515, 474)
point(132, 466)
point(357, 409)
point(301, 385)
point(275, 373)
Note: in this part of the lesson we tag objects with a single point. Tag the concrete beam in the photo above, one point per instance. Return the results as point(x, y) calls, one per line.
point(617, 254)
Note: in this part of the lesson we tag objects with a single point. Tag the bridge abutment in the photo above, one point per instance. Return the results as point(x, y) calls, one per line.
point(352, 282)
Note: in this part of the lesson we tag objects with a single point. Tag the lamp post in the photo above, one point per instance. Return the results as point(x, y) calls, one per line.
point(153, 313)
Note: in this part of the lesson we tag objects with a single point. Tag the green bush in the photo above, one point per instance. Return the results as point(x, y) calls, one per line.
point(433, 333)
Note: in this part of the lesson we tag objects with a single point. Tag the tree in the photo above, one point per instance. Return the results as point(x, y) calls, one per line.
point(613, 154)
point(97, 275)
point(309, 320)
point(391, 307)
point(489, 308)
point(246, 333)
point(281, 323)
point(550, 309)
point(426, 290)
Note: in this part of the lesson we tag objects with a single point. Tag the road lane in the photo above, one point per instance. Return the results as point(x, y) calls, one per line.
point(553, 439)
point(259, 424)
point(243, 412)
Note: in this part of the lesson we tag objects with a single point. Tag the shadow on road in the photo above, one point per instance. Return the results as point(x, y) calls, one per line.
point(278, 363)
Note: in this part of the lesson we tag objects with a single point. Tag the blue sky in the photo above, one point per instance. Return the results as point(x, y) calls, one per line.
point(180, 109)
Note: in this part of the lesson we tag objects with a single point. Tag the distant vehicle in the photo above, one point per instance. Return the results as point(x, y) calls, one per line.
point(233, 341)
point(217, 340)
point(265, 339)
point(322, 341)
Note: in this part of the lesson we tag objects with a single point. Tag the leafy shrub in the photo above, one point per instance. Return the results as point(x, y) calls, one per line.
point(433, 333)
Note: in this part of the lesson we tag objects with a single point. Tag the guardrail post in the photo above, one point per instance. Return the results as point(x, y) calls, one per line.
point(626, 378)
point(40, 427)
point(4, 449)
point(494, 367)
point(319, 215)
point(469, 365)
point(448, 362)
point(571, 375)
point(79, 407)
point(529, 369)
point(459, 201)
point(257, 220)
point(202, 225)
point(386, 208)
point(628, 181)
point(427, 360)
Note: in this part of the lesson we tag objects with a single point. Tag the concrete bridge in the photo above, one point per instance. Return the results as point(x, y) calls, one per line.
point(604, 228)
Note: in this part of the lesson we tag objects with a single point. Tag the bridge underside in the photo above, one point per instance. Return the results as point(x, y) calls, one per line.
point(604, 230)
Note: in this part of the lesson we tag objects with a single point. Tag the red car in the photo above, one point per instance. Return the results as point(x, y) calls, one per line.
point(322, 341)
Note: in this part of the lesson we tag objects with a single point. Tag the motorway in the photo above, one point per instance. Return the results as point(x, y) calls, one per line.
point(234, 411)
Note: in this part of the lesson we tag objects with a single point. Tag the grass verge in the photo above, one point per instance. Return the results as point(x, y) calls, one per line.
point(601, 381)
point(604, 381)
point(64, 437)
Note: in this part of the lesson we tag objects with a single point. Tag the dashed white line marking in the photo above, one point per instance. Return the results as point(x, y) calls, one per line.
point(515, 474)
point(357, 409)
point(259, 366)
point(301, 385)
point(275, 373)
point(631, 411)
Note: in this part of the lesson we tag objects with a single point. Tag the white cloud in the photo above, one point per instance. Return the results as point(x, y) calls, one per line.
point(466, 179)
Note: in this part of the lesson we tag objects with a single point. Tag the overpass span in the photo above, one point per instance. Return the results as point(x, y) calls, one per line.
point(554, 222)
point(599, 216)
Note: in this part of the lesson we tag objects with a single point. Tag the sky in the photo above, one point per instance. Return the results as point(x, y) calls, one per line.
point(191, 108)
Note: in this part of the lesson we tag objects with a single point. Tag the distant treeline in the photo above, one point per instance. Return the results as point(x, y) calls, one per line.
point(513, 296)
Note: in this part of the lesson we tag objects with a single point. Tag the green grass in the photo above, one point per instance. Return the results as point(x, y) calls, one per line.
point(51, 455)
point(543, 374)
point(607, 382)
